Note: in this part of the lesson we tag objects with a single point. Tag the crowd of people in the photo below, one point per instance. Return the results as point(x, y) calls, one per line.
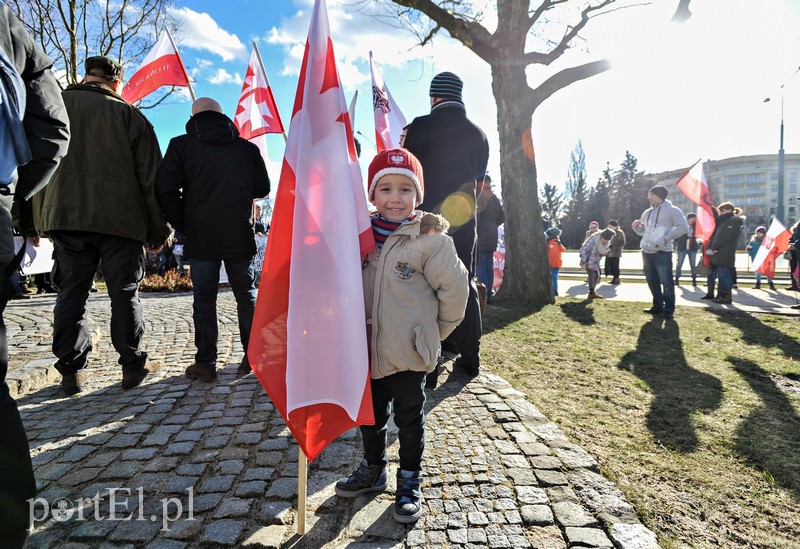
point(664, 229)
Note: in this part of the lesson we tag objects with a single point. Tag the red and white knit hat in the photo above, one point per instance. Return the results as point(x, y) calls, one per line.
point(398, 161)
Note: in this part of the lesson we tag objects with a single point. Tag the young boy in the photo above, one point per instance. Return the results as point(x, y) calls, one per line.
point(554, 250)
point(415, 292)
point(595, 247)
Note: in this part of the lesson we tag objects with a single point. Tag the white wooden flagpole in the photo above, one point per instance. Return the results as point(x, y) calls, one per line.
point(188, 80)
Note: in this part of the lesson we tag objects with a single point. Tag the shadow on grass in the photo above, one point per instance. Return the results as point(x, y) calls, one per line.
point(679, 391)
point(755, 332)
point(500, 314)
point(579, 312)
point(770, 436)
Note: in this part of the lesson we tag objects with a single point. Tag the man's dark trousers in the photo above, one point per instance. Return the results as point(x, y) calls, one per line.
point(77, 255)
point(466, 338)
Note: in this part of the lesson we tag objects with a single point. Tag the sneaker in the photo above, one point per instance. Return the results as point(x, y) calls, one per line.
point(367, 478)
point(134, 378)
point(202, 372)
point(73, 384)
point(408, 498)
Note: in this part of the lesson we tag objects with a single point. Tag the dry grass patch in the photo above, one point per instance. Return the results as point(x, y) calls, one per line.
point(697, 420)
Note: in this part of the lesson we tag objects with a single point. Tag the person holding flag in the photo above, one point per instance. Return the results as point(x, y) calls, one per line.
point(415, 291)
point(752, 250)
point(722, 249)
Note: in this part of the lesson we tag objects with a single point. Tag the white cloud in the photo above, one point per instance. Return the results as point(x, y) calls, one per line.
point(200, 31)
point(221, 76)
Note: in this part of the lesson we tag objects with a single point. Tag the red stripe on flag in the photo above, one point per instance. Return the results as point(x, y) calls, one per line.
point(167, 70)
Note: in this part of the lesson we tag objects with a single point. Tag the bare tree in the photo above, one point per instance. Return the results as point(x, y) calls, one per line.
point(71, 30)
point(519, 41)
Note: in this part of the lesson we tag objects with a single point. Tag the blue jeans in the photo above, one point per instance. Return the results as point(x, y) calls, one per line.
point(485, 271)
point(554, 275)
point(658, 272)
point(205, 285)
point(692, 262)
point(725, 277)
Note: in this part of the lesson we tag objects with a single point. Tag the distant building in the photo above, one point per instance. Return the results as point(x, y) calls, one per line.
point(750, 182)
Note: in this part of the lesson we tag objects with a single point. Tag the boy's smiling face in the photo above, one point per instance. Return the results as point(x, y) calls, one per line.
point(395, 197)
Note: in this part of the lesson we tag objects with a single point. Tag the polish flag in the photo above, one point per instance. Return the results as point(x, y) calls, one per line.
point(693, 185)
point(308, 345)
point(256, 113)
point(161, 67)
point(389, 121)
point(775, 242)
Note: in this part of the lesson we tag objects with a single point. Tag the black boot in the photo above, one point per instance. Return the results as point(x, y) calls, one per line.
point(677, 281)
point(694, 281)
point(710, 293)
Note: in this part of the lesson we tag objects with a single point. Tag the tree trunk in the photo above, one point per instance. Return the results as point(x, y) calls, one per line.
point(527, 272)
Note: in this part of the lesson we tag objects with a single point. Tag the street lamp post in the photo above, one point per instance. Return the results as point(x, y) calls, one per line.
point(779, 209)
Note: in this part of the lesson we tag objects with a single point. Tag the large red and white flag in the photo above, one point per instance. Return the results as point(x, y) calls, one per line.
point(389, 121)
point(256, 113)
point(161, 67)
point(308, 345)
point(693, 185)
point(775, 242)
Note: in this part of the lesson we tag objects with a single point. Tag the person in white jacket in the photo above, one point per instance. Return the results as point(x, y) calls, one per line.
point(659, 225)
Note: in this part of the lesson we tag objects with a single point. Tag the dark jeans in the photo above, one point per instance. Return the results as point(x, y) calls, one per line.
point(77, 255)
point(205, 285)
point(725, 277)
point(406, 390)
point(17, 484)
point(485, 271)
point(466, 338)
point(612, 266)
point(682, 254)
point(658, 273)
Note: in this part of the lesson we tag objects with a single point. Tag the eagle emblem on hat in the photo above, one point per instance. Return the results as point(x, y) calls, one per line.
point(397, 158)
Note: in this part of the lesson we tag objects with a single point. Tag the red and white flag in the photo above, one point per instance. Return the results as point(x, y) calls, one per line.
point(256, 113)
point(775, 242)
point(693, 185)
point(389, 121)
point(161, 67)
point(308, 345)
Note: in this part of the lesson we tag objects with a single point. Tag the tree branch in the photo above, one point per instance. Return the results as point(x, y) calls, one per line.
point(564, 78)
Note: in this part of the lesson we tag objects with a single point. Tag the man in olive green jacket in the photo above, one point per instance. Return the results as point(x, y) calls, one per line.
point(101, 205)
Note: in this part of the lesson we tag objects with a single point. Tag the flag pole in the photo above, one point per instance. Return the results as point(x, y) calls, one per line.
point(264, 70)
point(302, 487)
point(183, 67)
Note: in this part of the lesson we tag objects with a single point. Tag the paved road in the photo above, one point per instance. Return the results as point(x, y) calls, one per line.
point(498, 473)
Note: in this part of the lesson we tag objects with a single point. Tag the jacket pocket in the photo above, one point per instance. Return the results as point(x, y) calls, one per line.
point(421, 345)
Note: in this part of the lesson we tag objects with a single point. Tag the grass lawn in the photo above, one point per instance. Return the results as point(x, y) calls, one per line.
point(696, 420)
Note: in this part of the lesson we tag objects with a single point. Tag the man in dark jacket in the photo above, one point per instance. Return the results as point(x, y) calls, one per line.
point(454, 153)
point(490, 217)
point(206, 186)
point(100, 205)
point(722, 248)
point(46, 129)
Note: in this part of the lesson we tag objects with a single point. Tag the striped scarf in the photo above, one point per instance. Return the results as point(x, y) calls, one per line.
point(382, 228)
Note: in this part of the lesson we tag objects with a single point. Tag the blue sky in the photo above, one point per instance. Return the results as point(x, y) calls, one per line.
point(675, 93)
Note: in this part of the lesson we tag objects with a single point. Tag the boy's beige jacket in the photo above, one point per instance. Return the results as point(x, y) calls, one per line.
point(415, 292)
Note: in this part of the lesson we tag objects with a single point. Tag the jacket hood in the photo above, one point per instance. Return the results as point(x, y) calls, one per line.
point(212, 127)
point(434, 222)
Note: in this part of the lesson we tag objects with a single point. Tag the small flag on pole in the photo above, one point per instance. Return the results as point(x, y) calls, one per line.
point(161, 67)
point(256, 113)
point(308, 346)
point(389, 121)
point(775, 242)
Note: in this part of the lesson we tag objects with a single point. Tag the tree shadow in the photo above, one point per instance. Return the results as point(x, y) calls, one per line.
point(755, 332)
point(501, 313)
point(679, 391)
point(769, 437)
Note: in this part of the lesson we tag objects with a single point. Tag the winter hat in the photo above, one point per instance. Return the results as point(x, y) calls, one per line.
point(104, 67)
point(660, 192)
point(608, 234)
point(595, 223)
point(553, 232)
point(399, 161)
point(613, 223)
point(761, 229)
point(447, 86)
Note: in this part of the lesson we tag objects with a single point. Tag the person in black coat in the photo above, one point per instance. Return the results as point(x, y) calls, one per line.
point(206, 186)
point(46, 127)
point(454, 153)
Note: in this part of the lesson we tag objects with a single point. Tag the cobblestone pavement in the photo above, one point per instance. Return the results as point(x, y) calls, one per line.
point(175, 463)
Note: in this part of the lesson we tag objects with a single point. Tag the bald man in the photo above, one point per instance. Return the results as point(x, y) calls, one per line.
point(206, 186)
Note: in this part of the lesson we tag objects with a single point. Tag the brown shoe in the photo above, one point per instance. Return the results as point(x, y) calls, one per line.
point(72, 384)
point(595, 295)
point(206, 373)
point(134, 378)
